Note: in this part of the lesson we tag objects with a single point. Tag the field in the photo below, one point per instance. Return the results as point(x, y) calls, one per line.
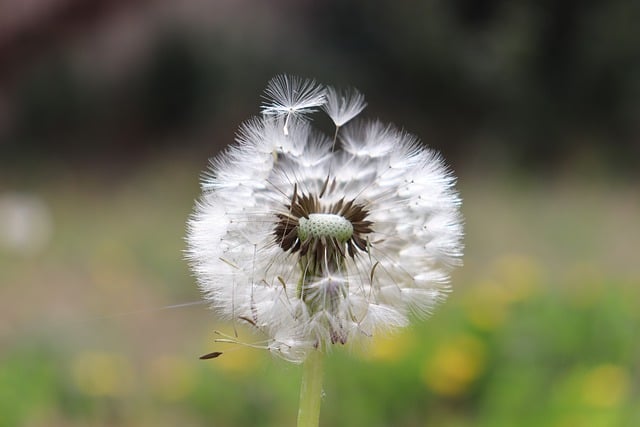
point(541, 329)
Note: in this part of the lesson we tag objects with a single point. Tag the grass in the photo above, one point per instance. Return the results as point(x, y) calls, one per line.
point(541, 329)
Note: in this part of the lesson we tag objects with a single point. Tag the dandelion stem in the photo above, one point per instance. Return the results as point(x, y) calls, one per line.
point(311, 390)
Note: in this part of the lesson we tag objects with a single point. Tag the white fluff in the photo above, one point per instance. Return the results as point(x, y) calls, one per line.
point(409, 197)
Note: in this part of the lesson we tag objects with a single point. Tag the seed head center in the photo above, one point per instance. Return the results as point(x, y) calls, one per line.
point(320, 225)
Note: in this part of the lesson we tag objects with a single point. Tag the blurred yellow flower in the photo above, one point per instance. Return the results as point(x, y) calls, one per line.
point(388, 348)
point(102, 374)
point(455, 366)
point(606, 386)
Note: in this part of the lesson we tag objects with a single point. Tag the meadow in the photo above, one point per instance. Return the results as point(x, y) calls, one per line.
point(541, 328)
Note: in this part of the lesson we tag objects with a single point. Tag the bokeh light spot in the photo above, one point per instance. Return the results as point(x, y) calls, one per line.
point(455, 366)
point(606, 386)
point(389, 348)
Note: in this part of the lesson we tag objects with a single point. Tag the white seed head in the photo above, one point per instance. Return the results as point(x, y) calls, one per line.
point(317, 242)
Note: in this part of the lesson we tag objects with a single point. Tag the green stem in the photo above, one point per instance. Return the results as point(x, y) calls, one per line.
point(311, 390)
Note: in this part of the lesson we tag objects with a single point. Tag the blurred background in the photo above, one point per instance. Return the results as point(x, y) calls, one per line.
point(109, 111)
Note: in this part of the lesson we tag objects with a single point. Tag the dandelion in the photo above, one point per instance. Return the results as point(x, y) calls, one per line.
point(318, 242)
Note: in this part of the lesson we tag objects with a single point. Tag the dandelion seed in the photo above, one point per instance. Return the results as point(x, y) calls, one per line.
point(292, 96)
point(318, 247)
point(343, 106)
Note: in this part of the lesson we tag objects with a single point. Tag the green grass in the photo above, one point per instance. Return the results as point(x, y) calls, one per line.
point(541, 329)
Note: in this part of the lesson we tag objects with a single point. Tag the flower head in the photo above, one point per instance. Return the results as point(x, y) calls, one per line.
point(316, 243)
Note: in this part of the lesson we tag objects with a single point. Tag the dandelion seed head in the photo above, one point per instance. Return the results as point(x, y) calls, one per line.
point(319, 242)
